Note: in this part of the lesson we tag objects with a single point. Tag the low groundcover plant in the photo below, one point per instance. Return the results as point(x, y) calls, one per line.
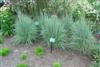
point(22, 65)
point(23, 56)
point(39, 51)
point(4, 52)
point(56, 64)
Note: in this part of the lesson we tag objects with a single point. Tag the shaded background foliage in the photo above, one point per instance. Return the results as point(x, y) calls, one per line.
point(91, 8)
point(6, 22)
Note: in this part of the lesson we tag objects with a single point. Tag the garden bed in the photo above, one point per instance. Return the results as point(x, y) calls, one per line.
point(53, 33)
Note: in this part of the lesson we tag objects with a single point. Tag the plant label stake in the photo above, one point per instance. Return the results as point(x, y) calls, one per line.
point(52, 41)
point(51, 47)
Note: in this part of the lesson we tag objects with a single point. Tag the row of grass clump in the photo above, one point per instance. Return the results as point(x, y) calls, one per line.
point(64, 32)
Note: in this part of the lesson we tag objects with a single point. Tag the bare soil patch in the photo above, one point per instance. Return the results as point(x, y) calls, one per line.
point(67, 59)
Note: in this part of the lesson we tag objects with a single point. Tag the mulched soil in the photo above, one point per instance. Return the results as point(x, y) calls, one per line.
point(67, 59)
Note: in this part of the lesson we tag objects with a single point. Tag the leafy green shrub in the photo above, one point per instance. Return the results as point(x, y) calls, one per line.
point(22, 65)
point(23, 56)
point(59, 7)
point(52, 28)
point(1, 38)
point(25, 30)
point(6, 22)
point(56, 64)
point(95, 64)
point(95, 53)
point(82, 38)
point(39, 51)
point(4, 52)
point(91, 1)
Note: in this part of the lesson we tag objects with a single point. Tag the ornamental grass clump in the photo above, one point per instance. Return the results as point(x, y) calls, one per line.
point(40, 22)
point(68, 22)
point(25, 30)
point(55, 30)
point(82, 38)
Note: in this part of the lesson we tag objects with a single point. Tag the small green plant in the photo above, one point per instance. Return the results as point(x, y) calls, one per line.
point(25, 30)
point(39, 51)
point(4, 52)
point(56, 64)
point(23, 56)
point(7, 20)
point(22, 65)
